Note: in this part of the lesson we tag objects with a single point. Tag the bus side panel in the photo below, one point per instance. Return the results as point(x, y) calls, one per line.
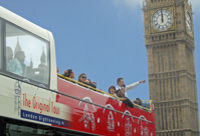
point(115, 119)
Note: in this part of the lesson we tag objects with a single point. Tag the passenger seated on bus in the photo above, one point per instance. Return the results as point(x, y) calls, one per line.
point(126, 101)
point(120, 85)
point(17, 65)
point(57, 70)
point(69, 73)
point(112, 90)
point(9, 55)
point(120, 93)
point(138, 101)
point(93, 84)
point(83, 78)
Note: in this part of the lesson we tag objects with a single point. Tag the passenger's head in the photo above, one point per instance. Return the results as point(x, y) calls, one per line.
point(20, 56)
point(120, 82)
point(112, 90)
point(94, 83)
point(69, 73)
point(57, 70)
point(9, 54)
point(139, 101)
point(82, 77)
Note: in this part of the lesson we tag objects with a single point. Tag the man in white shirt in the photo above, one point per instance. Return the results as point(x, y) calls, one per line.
point(121, 86)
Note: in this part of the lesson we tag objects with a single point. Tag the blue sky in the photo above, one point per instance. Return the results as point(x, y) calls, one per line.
point(102, 38)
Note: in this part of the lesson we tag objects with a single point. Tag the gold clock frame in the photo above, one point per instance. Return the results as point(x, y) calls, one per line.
point(171, 28)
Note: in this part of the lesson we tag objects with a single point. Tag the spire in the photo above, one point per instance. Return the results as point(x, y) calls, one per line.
point(18, 47)
point(43, 57)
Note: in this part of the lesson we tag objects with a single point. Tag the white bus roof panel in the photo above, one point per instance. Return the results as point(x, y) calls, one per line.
point(23, 23)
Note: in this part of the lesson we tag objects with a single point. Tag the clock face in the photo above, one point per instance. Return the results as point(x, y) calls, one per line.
point(188, 21)
point(162, 20)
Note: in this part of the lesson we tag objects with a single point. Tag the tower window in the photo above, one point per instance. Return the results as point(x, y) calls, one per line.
point(166, 36)
point(174, 35)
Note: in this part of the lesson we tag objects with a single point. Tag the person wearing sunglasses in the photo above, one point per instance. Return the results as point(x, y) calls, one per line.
point(83, 78)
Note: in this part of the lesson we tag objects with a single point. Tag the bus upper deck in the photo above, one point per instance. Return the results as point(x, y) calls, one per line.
point(147, 105)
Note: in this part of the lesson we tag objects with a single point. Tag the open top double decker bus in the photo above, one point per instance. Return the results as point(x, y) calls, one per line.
point(36, 101)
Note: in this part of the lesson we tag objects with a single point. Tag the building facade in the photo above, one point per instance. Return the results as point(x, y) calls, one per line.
point(169, 39)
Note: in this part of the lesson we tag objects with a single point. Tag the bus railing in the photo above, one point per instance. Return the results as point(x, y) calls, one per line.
point(100, 91)
point(146, 105)
point(87, 86)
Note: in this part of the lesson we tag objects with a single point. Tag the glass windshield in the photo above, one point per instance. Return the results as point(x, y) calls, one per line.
point(26, 55)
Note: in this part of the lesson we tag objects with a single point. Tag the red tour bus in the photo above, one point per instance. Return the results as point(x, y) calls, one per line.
point(35, 101)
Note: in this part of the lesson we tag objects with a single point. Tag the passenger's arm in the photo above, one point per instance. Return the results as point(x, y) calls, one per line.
point(133, 85)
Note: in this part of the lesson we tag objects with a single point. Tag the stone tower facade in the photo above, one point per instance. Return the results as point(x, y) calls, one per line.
point(172, 78)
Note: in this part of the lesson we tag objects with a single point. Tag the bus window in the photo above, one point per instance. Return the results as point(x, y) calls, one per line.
point(23, 129)
point(19, 130)
point(27, 56)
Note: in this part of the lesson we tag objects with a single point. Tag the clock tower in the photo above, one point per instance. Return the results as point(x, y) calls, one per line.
point(169, 39)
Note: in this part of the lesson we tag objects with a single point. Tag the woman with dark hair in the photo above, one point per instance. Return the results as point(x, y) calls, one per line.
point(83, 78)
point(69, 73)
point(112, 90)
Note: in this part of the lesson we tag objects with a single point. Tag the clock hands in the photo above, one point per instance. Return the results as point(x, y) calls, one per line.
point(162, 19)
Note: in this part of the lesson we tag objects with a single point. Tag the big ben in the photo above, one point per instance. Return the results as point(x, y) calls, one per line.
point(170, 47)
